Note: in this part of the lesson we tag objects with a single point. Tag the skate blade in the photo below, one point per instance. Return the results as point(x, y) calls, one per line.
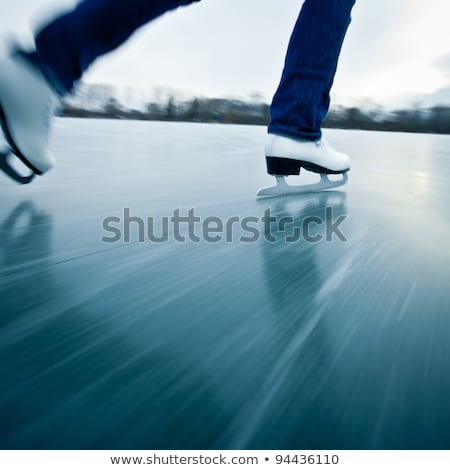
point(282, 188)
point(10, 171)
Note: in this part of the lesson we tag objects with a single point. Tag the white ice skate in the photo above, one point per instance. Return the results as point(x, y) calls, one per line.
point(27, 104)
point(286, 156)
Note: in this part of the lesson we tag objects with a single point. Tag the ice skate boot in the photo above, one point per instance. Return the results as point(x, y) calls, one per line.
point(27, 104)
point(286, 156)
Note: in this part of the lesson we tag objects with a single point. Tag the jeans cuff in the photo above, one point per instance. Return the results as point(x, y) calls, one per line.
point(33, 58)
point(296, 134)
point(52, 78)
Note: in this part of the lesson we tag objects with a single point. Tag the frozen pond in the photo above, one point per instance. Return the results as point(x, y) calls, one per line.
point(256, 344)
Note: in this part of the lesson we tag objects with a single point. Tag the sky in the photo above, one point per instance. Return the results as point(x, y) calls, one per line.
point(396, 51)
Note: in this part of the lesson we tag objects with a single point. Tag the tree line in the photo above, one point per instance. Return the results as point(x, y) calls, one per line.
point(234, 111)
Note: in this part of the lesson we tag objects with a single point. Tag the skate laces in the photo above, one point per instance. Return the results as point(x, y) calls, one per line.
point(323, 143)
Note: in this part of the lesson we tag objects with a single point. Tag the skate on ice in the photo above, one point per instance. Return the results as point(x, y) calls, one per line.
point(286, 156)
point(27, 104)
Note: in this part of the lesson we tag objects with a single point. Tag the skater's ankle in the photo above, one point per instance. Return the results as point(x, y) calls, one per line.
point(294, 134)
point(32, 58)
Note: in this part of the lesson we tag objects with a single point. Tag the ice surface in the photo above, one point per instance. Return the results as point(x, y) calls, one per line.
point(224, 345)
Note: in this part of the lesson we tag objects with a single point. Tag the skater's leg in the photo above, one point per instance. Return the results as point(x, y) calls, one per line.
point(302, 99)
point(30, 81)
point(67, 46)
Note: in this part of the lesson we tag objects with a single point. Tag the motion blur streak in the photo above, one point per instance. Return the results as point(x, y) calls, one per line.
point(200, 345)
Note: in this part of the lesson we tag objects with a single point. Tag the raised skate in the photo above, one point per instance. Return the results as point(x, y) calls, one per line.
point(286, 156)
point(27, 104)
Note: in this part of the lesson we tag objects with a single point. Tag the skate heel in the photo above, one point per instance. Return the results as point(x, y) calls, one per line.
point(283, 166)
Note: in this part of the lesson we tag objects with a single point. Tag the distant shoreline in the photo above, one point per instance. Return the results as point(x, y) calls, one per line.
point(430, 121)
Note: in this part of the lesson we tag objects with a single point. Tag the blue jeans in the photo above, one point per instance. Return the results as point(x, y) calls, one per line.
point(66, 47)
point(303, 97)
